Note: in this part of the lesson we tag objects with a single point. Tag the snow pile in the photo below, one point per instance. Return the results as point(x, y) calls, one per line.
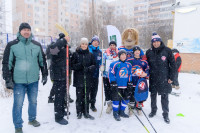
point(187, 104)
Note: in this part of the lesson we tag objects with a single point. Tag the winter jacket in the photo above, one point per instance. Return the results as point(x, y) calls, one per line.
point(22, 60)
point(142, 64)
point(130, 53)
point(98, 58)
point(83, 59)
point(58, 62)
point(108, 57)
point(178, 60)
point(162, 68)
point(120, 72)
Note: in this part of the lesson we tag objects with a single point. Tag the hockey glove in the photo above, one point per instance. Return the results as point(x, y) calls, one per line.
point(9, 84)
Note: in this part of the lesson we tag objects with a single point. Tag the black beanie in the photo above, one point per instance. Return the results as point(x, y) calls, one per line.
point(121, 52)
point(136, 48)
point(112, 42)
point(23, 26)
point(61, 35)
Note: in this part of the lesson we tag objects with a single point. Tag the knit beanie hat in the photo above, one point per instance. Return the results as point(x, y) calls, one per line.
point(24, 26)
point(113, 42)
point(136, 48)
point(155, 37)
point(95, 38)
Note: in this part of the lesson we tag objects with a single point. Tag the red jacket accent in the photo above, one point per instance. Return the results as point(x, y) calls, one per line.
point(176, 56)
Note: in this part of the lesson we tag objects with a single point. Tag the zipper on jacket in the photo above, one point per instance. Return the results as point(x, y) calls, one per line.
point(26, 63)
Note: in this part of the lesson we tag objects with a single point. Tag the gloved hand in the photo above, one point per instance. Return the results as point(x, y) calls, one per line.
point(102, 68)
point(44, 80)
point(9, 84)
point(113, 85)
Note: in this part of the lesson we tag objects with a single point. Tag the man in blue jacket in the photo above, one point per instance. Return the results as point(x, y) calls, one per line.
point(94, 49)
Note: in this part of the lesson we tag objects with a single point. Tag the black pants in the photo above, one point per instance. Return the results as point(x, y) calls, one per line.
point(52, 92)
point(132, 98)
point(164, 103)
point(107, 89)
point(117, 92)
point(60, 92)
point(93, 91)
point(82, 105)
point(175, 82)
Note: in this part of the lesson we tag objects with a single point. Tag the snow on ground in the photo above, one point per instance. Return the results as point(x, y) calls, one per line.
point(187, 104)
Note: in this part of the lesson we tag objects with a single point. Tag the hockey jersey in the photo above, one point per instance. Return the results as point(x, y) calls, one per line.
point(120, 72)
point(139, 64)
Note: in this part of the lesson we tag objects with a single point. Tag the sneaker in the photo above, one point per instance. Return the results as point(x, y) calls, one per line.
point(62, 121)
point(116, 116)
point(34, 123)
point(79, 115)
point(166, 119)
point(88, 116)
point(109, 108)
point(18, 130)
point(122, 114)
point(152, 114)
point(93, 108)
point(50, 100)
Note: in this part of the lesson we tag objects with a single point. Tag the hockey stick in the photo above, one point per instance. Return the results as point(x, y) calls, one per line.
point(102, 81)
point(61, 29)
point(134, 113)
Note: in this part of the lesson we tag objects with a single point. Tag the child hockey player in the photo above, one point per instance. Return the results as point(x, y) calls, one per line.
point(120, 77)
point(140, 69)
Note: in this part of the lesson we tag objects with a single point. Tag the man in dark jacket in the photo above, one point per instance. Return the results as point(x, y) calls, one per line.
point(58, 66)
point(22, 60)
point(178, 62)
point(95, 50)
point(162, 65)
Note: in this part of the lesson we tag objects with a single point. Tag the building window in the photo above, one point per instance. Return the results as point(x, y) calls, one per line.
point(29, 14)
point(37, 22)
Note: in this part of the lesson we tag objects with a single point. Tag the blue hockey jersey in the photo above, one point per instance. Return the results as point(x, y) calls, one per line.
point(139, 64)
point(121, 73)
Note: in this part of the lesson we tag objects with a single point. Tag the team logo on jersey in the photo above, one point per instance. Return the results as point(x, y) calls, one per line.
point(143, 63)
point(141, 85)
point(123, 73)
point(163, 58)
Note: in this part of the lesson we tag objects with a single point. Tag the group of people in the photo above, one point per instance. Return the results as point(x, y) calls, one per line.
point(24, 58)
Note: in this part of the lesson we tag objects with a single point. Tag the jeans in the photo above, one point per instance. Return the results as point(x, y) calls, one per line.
point(19, 94)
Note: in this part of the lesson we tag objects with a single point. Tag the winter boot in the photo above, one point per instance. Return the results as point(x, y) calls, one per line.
point(88, 116)
point(18, 130)
point(79, 115)
point(50, 100)
point(166, 119)
point(177, 87)
point(34, 123)
point(116, 116)
point(131, 106)
point(152, 114)
point(109, 108)
point(173, 86)
point(62, 121)
point(93, 108)
point(139, 108)
point(122, 114)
